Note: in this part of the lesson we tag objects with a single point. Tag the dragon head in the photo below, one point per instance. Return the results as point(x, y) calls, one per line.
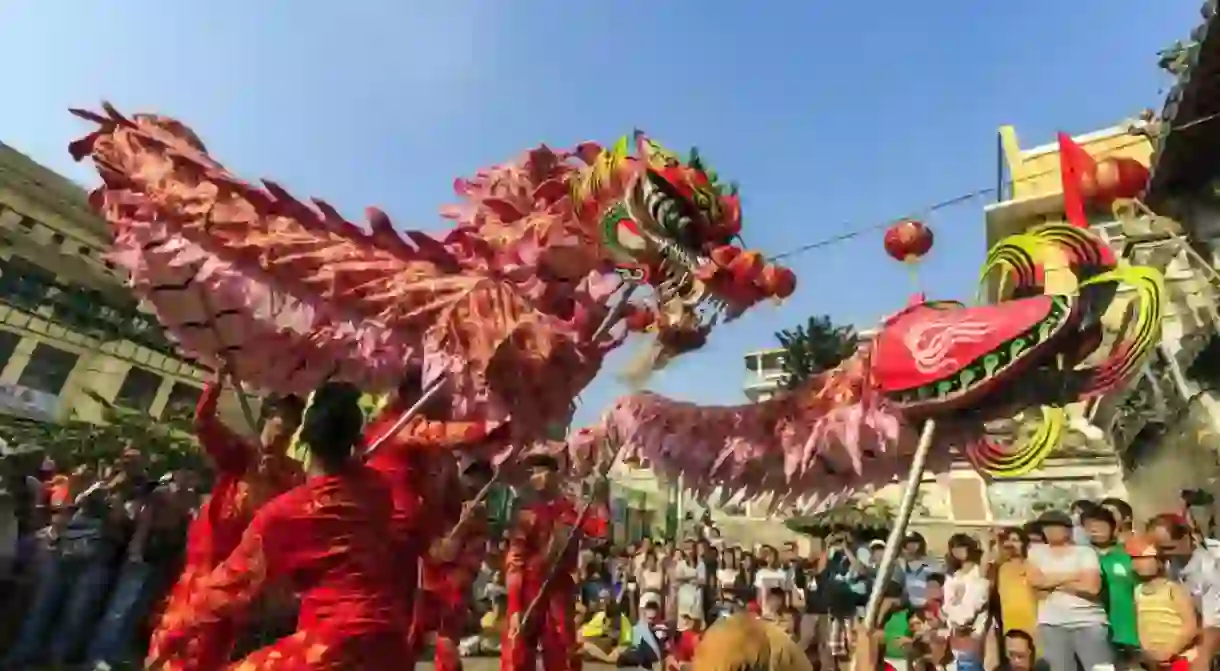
point(668, 222)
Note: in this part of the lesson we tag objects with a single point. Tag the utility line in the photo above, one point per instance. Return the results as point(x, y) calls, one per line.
point(966, 197)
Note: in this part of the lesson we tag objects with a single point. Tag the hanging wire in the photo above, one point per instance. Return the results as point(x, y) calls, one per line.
point(969, 196)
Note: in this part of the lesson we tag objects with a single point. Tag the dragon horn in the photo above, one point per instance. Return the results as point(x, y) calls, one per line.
point(1130, 351)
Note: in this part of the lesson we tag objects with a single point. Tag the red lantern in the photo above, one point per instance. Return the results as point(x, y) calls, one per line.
point(1118, 178)
point(908, 241)
point(777, 282)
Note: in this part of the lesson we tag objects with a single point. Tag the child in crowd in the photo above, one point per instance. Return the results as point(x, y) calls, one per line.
point(649, 639)
point(774, 604)
point(690, 632)
point(491, 627)
point(1164, 611)
point(727, 605)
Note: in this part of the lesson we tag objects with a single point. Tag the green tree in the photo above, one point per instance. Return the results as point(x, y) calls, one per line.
point(815, 346)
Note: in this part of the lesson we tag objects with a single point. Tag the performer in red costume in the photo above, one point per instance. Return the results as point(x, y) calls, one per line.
point(451, 565)
point(537, 545)
point(414, 461)
point(325, 537)
point(247, 475)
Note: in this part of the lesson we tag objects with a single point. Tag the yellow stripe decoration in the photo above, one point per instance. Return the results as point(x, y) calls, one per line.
point(1028, 455)
point(1149, 316)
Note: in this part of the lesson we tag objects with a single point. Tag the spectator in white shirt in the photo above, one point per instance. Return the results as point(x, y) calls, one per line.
point(1072, 624)
point(966, 595)
point(770, 576)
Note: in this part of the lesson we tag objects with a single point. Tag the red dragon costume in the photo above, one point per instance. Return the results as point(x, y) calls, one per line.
point(539, 551)
point(514, 307)
point(505, 306)
point(246, 476)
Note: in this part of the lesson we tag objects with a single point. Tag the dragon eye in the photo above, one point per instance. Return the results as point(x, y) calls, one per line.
point(709, 205)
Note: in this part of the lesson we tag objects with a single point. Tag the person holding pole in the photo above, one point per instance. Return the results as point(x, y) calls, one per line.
point(539, 568)
point(411, 455)
point(247, 476)
point(452, 562)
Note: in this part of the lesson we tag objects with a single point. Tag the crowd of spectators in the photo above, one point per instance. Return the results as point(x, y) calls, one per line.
point(86, 554)
point(1084, 588)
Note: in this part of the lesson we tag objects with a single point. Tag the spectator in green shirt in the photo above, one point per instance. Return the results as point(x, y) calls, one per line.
point(1118, 581)
point(894, 616)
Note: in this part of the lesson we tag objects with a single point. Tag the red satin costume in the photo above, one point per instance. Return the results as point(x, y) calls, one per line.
point(441, 606)
point(242, 484)
point(326, 537)
point(411, 463)
point(536, 528)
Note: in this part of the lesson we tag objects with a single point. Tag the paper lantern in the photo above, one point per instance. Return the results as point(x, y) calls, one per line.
point(908, 241)
point(777, 282)
point(1117, 178)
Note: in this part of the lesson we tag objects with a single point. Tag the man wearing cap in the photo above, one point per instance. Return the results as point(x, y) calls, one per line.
point(1072, 623)
point(451, 564)
point(539, 551)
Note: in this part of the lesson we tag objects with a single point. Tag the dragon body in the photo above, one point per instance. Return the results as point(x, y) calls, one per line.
point(1032, 352)
point(506, 305)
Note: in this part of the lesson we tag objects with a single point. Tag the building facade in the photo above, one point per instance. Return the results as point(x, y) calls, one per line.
point(72, 337)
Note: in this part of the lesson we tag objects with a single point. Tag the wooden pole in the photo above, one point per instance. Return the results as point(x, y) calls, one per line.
point(899, 531)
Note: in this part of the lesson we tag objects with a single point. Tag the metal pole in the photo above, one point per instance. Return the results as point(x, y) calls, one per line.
point(999, 167)
point(406, 416)
point(899, 530)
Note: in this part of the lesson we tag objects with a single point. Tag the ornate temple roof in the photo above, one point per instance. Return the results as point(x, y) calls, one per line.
point(1189, 156)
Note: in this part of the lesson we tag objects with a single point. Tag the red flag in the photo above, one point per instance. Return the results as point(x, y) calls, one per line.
point(1078, 171)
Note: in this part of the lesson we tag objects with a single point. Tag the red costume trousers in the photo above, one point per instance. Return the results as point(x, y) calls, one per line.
point(552, 625)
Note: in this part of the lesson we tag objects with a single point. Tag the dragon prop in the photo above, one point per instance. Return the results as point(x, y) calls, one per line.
point(505, 306)
point(968, 368)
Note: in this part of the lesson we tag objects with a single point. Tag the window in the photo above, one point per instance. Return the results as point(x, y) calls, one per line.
point(772, 361)
point(182, 401)
point(139, 389)
point(48, 369)
point(8, 345)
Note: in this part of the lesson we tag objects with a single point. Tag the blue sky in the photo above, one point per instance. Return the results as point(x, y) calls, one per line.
point(831, 115)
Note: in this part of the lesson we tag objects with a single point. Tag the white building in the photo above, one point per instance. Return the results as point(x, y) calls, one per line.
point(764, 373)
